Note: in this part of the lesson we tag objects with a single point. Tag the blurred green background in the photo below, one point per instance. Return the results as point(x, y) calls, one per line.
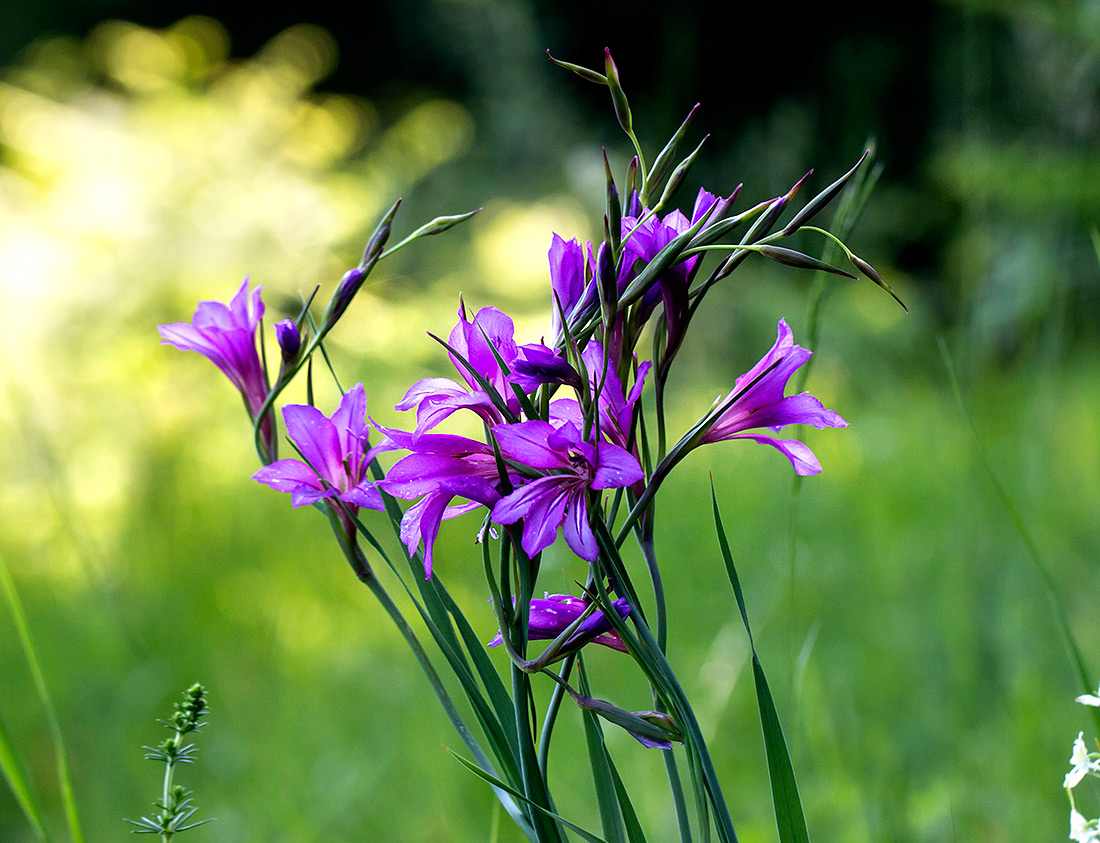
point(152, 158)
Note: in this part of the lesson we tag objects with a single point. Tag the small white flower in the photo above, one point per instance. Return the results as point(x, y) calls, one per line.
point(1082, 763)
point(1082, 830)
point(1090, 699)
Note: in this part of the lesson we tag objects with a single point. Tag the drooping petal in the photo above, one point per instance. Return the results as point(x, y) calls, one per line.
point(428, 388)
point(421, 523)
point(541, 504)
point(290, 476)
point(578, 532)
point(801, 457)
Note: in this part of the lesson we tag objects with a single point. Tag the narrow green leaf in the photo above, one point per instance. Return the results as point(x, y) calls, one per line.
point(1077, 661)
point(64, 780)
point(13, 773)
point(495, 782)
point(788, 807)
point(490, 679)
point(606, 799)
point(789, 817)
point(634, 831)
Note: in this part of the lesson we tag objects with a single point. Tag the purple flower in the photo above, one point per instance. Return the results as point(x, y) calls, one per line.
point(436, 398)
point(570, 278)
point(550, 617)
point(548, 501)
point(226, 335)
point(763, 404)
point(336, 452)
point(440, 468)
point(537, 364)
point(617, 410)
point(672, 285)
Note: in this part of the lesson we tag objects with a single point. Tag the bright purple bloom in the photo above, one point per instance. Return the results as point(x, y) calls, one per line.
point(617, 410)
point(440, 468)
point(570, 278)
point(672, 285)
point(763, 404)
point(226, 335)
point(548, 501)
point(336, 452)
point(537, 364)
point(550, 617)
point(436, 398)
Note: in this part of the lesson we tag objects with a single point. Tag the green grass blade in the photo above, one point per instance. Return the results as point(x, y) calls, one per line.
point(1077, 661)
point(494, 687)
point(13, 774)
point(789, 817)
point(495, 782)
point(606, 795)
point(634, 832)
point(64, 779)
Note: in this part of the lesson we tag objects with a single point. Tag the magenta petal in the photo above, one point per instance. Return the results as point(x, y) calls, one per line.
point(527, 443)
point(364, 495)
point(800, 455)
point(421, 523)
point(316, 437)
point(650, 743)
point(306, 496)
point(288, 475)
point(428, 387)
point(617, 468)
point(350, 419)
point(578, 532)
point(541, 505)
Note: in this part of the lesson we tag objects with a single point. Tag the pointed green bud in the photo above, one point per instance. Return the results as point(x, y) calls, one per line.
point(871, 273)
point(583, 72)
point(633, 207)
point(822, 199)
point(663, 162)
point(614, 208)
point(790, 257)
point(618, 97)
point(441, 224)
point(378, 239)
point(678, 175)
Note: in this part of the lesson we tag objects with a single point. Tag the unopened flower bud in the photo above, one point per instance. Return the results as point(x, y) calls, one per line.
point(290, 340)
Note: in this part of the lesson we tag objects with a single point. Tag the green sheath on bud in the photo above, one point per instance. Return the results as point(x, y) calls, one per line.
point(614, 208)
point(583, 72)
point(790, 257)
point(822, 199)
point(663, 162)
point(631, 183)
point(378, 239)
point(871, 273)
point(679, 174)
point(618, 96)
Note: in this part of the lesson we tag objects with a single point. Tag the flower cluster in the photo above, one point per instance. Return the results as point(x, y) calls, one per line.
point(573, 442)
